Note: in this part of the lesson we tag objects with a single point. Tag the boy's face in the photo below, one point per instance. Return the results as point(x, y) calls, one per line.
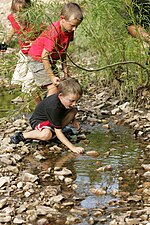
point(69, 100)
point(69, 25)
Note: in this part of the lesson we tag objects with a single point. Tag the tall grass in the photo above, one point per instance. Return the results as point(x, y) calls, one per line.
point(102, 39)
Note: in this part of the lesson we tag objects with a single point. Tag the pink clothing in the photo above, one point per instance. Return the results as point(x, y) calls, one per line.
point(53, 40)
point(21, 32)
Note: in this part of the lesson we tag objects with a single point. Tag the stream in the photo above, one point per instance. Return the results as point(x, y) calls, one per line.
point(6, 105)
point(100, 181)
point(117, 150)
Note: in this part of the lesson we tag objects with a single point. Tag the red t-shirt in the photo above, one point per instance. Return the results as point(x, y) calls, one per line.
point(22, 33)
point(53, 40)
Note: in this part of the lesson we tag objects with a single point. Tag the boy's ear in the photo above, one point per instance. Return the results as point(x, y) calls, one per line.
point(60, 95)
point(62, 17)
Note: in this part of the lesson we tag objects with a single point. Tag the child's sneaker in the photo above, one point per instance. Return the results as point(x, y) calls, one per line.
point(70, 130)
point(17, 137)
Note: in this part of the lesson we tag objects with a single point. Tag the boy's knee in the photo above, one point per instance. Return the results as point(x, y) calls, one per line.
point(46, 135)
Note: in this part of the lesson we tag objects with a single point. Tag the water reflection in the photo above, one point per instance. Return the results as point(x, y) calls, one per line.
point(123, 153)
point(6, 105)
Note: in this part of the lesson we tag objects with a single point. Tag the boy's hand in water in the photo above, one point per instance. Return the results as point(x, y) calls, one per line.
point(78, 150)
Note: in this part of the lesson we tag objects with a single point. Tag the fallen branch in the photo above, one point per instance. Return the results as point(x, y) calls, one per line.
point(109, 66)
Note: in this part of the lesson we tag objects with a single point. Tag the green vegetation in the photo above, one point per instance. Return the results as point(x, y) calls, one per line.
point(102, 39)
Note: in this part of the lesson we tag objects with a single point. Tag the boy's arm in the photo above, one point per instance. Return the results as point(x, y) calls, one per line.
point(55, 80)
point(64, 65)
point(10, 34)
point(66, 142)
point(135, 31)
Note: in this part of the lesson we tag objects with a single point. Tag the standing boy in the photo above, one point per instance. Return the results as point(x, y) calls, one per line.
point(52, 45)
point(53, 113)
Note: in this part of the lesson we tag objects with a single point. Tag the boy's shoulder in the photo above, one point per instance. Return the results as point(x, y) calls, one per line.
point(51, 99)
point(54, 28)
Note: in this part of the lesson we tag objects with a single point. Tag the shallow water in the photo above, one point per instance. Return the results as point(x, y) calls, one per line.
point(117, 148)
point(6, 106)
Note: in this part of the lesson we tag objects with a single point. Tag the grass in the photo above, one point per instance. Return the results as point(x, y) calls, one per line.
point(102, 39)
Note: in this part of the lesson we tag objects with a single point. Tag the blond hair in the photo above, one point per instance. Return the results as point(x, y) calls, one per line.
point(72, 11)
point(70, 86)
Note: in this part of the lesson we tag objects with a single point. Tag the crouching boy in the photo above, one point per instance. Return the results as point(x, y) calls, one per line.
point(52, 114)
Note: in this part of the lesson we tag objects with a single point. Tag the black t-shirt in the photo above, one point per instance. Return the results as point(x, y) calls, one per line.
point(50, 109)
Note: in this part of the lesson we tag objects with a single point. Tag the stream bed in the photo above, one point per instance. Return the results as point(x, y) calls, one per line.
point(102, 184)
point(99, 177)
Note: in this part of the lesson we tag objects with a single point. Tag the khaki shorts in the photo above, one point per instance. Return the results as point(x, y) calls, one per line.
point(22, 76)
point(40, 76)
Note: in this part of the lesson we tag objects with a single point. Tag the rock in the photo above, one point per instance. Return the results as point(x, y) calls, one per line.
point(63, 172)
point(29, 177)
point(68, 180)
point(6, 160)
point(146, 191)
point(66, 204)
point(148, 146)
point(104, 168)
point(27, 194)
point(97, 191)
point(92, 153)
point(40, 157)
point(56, 199)
point(91, 221)
point(43, 210)
point(147, 175)
point(18, 220)
point(148, 116)
point(22, 208)
point(19, 122)
point(106, 126)
point(3, 202)
point(135, 198)
point(10, 130)
point(74, 186)
point(98, 214)
point(6, 211)
point(114, 111)
point(133, 221)
point(42, 221)
point(20, 185)
point(72, 219)
point(13, 169)
point(113, 222)
point(146, 167)
point(5, 219)
point(4, 180)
